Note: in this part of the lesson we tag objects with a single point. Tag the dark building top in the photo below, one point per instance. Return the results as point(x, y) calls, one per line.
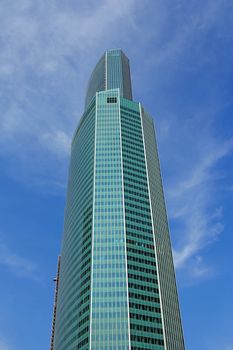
point(111, 72)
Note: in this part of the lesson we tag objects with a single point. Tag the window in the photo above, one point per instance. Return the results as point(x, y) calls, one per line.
point(111, 100)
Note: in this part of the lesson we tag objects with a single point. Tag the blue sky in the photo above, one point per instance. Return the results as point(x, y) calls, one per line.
point(181, 57)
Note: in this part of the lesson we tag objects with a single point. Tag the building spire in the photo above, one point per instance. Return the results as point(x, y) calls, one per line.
point(111, 72)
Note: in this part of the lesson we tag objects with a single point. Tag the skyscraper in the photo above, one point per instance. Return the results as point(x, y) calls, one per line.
point(116, 286)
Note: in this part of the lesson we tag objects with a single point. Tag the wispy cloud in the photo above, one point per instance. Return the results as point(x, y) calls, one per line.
point(223, 343)
point(46, 50)
point(201, 172)
point(4, 345)
point(19, 265)
point(195, 212)
point(56, 141)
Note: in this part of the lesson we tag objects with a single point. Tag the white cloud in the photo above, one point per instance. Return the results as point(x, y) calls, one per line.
point(201, 172)
point(56, 141)
point(46, 55)
point(4, 345)
point(199, 270)
point(193, 209)
point(42, 33)
point(22, 267)
point(221, 342)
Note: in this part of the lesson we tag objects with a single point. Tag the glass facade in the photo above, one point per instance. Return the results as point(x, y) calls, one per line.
point(109, 307)
point(117, 287)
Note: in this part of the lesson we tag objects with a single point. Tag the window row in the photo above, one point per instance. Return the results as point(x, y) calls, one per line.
point(145, 318)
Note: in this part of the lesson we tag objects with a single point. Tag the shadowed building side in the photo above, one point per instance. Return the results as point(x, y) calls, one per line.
point(56, 280)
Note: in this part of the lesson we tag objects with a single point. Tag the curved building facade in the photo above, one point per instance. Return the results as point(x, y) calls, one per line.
point(117, 287)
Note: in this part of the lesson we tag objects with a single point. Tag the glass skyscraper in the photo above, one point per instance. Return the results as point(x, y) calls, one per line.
point(116, 287)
